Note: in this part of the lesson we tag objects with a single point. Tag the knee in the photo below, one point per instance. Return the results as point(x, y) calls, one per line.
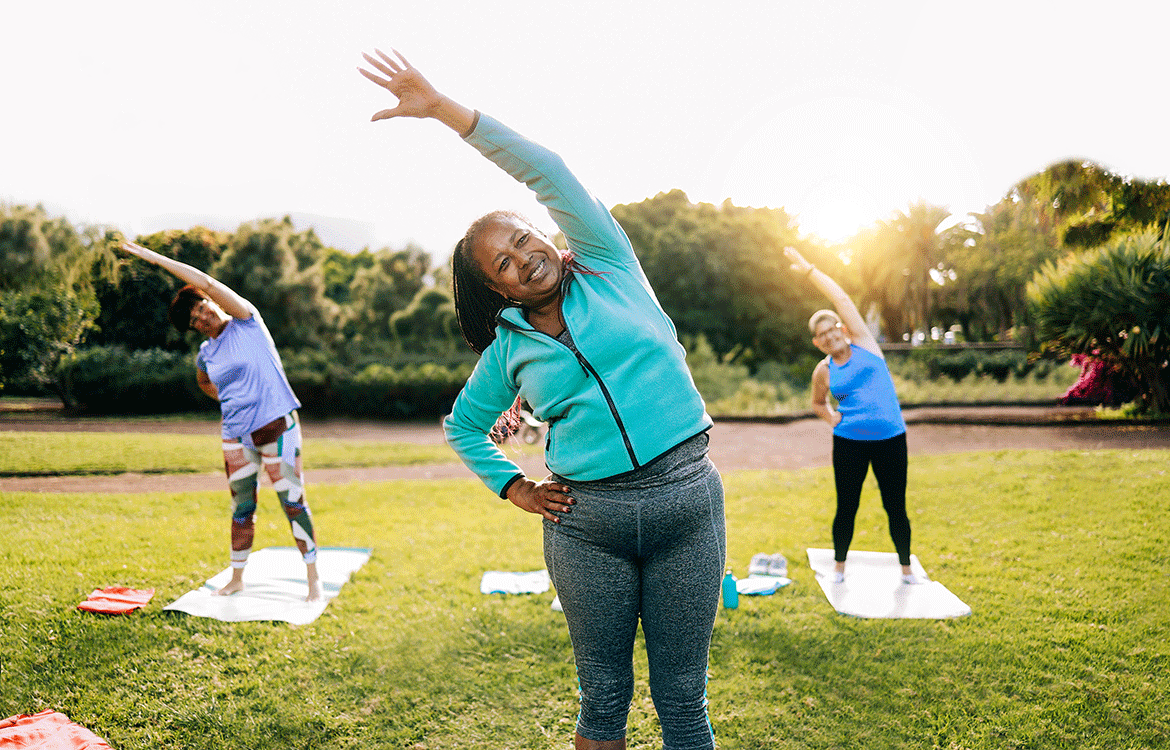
point(605, 704)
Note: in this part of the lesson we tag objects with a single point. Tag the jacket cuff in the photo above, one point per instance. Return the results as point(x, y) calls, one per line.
point(504, 491)
point(474, 122)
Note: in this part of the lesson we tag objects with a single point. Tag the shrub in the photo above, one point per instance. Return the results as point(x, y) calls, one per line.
point(1112, 304)
point(112, 380)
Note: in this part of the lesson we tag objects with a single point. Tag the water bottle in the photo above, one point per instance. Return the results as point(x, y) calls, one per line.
point(730, 595)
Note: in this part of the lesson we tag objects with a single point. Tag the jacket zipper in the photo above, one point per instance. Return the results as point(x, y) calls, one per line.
point(608, 400)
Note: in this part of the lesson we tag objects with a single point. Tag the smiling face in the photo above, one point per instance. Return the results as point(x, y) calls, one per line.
point(207, 318)
point(830, 337)
point(518, 261)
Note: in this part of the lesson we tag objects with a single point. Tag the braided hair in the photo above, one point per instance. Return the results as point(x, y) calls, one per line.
point(477, 305)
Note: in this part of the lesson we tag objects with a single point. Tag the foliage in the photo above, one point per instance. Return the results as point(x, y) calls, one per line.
point(428, 323)
point(1068, 206)
point(719, 272)
point(384, 288)
point(47, 303)
point(410, 654)
point(115, 380)
point(38, 328)
point(262, 265)
point(1113, 304)
point(715, 376)
point(134, 300)
point(900, 266)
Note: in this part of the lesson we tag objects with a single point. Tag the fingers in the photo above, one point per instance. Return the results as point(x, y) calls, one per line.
point(385, 114)
point(380, 81)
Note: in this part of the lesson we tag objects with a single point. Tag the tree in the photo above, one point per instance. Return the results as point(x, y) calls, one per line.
point(719, 272)
point(1112, 304)
point(38, 327)
point(133, 302)
point(900, 265)
point(47, 302)
point(385, 287)
point(260, 263)
point(428, 324)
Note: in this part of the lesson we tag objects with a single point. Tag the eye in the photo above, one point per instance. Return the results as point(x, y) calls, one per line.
point(503, 265)
point(522, 240)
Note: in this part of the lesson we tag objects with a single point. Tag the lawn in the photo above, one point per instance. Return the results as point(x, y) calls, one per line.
point(1061, 556)
point(56, 453)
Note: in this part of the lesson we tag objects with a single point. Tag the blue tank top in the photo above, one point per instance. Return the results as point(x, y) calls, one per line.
point(865, 397)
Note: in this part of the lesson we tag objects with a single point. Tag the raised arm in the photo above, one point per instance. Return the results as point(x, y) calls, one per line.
point(859, 332)
point(219, 293)
point(588, 227)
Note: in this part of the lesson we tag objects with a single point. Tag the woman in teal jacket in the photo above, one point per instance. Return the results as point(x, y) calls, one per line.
point(633, 511)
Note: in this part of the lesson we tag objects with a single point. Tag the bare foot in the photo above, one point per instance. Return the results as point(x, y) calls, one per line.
point(315, 592)
point(232, 587)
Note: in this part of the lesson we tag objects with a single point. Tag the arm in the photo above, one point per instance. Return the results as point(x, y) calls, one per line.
point(205, 384)
point(588, 226)
point(820, 395)
point(219, 293)
point(859, 332)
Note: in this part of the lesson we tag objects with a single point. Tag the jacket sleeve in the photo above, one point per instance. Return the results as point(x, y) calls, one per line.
point(487, 394)
point(589, 228)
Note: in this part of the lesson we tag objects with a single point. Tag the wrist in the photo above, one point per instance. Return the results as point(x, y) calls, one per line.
point(809, 271)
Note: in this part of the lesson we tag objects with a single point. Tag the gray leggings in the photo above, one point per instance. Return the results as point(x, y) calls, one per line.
point(652, 544)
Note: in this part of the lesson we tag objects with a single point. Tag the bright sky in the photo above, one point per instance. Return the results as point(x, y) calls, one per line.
point(154, 115)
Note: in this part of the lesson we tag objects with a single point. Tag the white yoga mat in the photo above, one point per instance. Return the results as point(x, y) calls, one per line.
point(873, 587)
point(275, 586)
point(506, 582)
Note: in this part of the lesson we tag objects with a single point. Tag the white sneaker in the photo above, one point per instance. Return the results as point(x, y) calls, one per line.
point(778, 566)
point(912, 580)
point(759, 564)
point(837, 576)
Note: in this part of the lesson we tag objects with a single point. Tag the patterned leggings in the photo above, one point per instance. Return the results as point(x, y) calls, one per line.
point(276, 447)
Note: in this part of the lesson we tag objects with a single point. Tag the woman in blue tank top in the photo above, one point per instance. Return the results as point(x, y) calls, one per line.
point(867, 423)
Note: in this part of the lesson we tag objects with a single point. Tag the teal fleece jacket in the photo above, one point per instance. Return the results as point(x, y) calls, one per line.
point(625, 396)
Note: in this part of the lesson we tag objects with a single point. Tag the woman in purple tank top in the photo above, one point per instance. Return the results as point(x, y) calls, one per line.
point(239, 367)
point(867, 423)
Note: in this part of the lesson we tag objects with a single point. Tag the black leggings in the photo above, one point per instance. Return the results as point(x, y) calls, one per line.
point(851, 461)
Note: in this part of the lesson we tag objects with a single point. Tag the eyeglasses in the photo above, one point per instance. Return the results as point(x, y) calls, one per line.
point(821, 334)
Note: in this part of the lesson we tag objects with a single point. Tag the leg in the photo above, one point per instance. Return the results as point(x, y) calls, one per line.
point(850, 465)
point(889, 466)
point(242, 465)
point(282, 462)
point(599, 589)
point(684, 553)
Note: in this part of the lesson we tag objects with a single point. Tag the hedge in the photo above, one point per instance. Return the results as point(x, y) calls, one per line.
point(112, 380)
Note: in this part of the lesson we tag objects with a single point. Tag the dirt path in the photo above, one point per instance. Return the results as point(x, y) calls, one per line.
point(734, 445)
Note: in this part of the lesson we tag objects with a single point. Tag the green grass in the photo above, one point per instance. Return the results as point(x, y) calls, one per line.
point(1061, 555)
point(47, 453)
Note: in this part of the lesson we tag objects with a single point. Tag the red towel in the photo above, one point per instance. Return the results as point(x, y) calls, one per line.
point(47, 730)
point(116, 600)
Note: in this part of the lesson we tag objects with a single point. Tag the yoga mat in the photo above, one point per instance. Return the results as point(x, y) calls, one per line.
point(275, 586)
point(506, 582)
point(873, 588)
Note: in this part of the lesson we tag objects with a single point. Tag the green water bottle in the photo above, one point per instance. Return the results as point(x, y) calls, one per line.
point(730, 595)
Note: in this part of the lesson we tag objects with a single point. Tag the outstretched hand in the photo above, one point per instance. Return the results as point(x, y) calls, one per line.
point(541, 497)
point(416, 96)
point(799, 264)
